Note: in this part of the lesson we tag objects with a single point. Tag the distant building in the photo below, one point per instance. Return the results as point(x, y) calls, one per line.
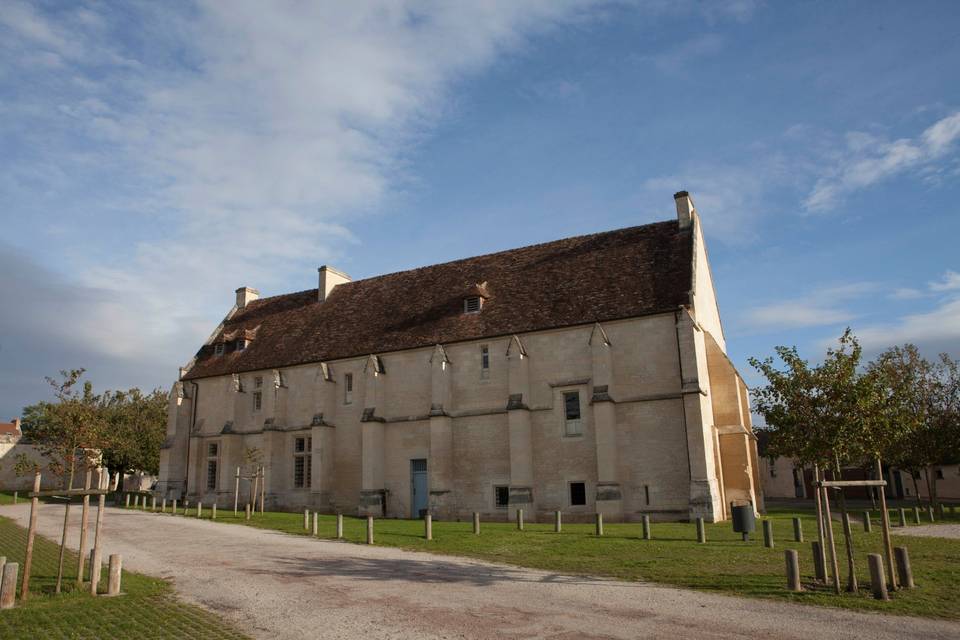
point(584, 375)
point(12, 445)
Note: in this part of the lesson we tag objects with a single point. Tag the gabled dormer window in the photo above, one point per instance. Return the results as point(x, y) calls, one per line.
point(241, 344)
point(472, 304)
point(218, 349)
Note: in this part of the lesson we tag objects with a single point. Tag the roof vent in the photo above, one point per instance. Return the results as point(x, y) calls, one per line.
point(473, 301)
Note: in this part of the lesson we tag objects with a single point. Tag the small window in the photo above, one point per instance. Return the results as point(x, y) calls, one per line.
point(472, 304)
point(571, 413)
point(484, 361)
point(258, 382)
point(301, 462)
point(241, 344)
point(257, 400)
point(218, 349)
point(347, 388)
point(501, 496)
point(578, 494)
point(212, 450)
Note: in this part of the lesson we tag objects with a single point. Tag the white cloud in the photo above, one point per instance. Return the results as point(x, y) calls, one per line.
point(934, 331)
point(822, 307)
point(949, 282)
point(867, 160)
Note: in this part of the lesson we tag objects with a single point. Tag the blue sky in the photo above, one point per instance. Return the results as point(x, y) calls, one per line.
point(155, 156)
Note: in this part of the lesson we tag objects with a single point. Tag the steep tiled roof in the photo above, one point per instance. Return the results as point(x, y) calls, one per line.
point(605, 276)
point(9, 428)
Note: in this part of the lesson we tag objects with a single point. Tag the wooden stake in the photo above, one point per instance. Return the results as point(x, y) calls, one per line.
point(8, 584)
point(95, 562)
point(520, 519)
point(646, 527)
point(116, 568)
point(83, 527)
point(236, 492)
point(253, 491)
point(369, 529)
point(834, 566)
point(793, 570)
point(31, 534)
point(821, 533)
point(797, 530)
point(599, 518)
point(476, 523)
point(903, 567)
point(339, 526)
point(701, 532)
point(316, 523)
point(877, 582)
point(428, 527)
point(263, 479)
point(557, 521)
point(885, 520)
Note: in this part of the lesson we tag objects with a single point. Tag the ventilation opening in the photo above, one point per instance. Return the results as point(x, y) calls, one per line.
point(472, 304)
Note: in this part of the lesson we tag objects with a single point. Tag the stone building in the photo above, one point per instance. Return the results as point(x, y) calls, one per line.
point(586, 375)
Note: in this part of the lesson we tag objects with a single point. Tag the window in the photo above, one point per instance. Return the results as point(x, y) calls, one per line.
point(301, 462)
point(257, 400)
point(218, 349)
point(484, 362)
point(578, 494)
point(472, 304)
point(347, 388)
point(212, 451)
point(258, 382)
point(571, 413)
point(241, 344)
point(501, 496)
point(939, 474)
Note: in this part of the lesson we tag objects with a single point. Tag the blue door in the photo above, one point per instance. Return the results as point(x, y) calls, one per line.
point(418, 488)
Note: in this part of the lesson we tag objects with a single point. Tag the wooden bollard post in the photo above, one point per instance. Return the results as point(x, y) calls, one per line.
point(247, 511)
point(867, 527)
point(903, 517)
point(846, 522)
point(939, 507)
point(103, 481)
point(520, 519)
point(127, 505)
point(793, 570)
point(15, 494)
point(797, 530)
point(213, 511)
point(339, 526)
point(369, 529)
point(768, 534)
point(916, 515)
point(646, 527)
point(93, 568)
point(186, 505)
point(85, 511)
point(163, 506)
point(8, 584)
point(903, 567)
point(476, 523)
point(819, 561)
point(199, 509)
point(153, 503)
point(701, 531)
point(306, 519)
point(31, 534)
point(930, 513)
point(428, 526)
point(599, 524)
point(877, 582)
point(236, 492)
point(173, 507)
point(557, 521)
point(113, 581)
point(316, 523)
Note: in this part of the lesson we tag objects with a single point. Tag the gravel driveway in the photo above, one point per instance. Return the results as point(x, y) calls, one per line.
point(929, 531)
point(280, 586)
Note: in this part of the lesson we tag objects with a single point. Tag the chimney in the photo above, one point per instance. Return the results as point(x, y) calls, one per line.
point(329, 278)
point(246, 295)
point(685, 210)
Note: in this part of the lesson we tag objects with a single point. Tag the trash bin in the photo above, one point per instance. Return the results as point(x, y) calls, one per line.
point(744, 520)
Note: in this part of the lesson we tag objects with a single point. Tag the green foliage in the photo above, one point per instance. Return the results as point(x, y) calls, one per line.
point(136, 429)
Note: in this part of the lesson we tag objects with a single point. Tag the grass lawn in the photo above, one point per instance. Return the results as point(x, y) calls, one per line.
point(725, 564)
point(148, 608)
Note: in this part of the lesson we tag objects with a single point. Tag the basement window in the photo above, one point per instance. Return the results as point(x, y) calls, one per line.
point(501, 496)
point(578, 494)
point(472, 304)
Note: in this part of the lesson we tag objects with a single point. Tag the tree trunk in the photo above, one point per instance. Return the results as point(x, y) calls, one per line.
point(916, 487)
point(926, 473)
point(872, 490)
point(66, 520)
point(847, 538)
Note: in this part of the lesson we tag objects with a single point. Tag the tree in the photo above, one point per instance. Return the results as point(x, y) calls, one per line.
point(135, 429)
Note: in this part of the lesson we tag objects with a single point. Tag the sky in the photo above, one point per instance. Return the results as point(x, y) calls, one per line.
point(156, 156)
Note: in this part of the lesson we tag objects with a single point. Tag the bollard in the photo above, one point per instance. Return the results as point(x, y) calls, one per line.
point(903, 567)
point(213, 511)
point(476, 523)
point(819, 562)
point(163, 506)
point(16, 493)
point(186, 505)
point(520, 519)
point(369, 529)
point(316, 523)
point(939, 507)
point(113, 582)
point(793, 570)
point(339, 526)
point(96, 568)
point(930, 513)
point(599, 524)
point(646, 527)
point(199, 509)
point(916, 515)
point(127, 505)
point(247, 511)
point(557, 522)
point(136, 501)
point(951, 510)
point(877, 582)
point(306, 519)
point(701, 531)
point(903, 517)
point(428, 527)
point(768, 534)
point(866, 522)
point(8, 584)
point(153, 503)
point(93, 569)
point(173, 507)
point(797, 530)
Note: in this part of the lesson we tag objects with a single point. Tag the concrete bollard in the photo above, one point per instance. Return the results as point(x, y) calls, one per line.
point(867, 526)
point(903, 567)
point(557, 522)
point(877, 582)
point(199, 509)
point(793, 570)
point(8, 584)
point(369, 529)
point(316, 523)
point(768, 534)
point(916, 515)
point(163, 506)
point(599, 523)
point(903, 517)
point(306, 519)
point(520, 519)
point(246, 513)
point(173, 507)
point(476, 523)
point(701, 531)
point(213, 511)
point(797, 530)
point(428, 527)
point(113, 582)
point(339, 526)
point(127, 505)
point(819, 562)
point(153, 503)
point(930, 514)
point(96, 569)
point(646, 527)
point(136, 501)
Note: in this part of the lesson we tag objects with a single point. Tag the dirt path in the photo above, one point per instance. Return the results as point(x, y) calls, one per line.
point(280, 586)
point(929, 531)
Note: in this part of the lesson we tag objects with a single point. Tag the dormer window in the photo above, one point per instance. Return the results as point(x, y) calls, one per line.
point(218, 349)
point(472, 304)
point(241, 344)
